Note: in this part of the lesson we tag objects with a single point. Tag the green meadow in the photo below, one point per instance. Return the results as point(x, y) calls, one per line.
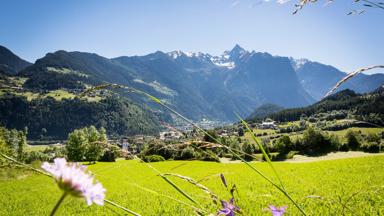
point(352, 186)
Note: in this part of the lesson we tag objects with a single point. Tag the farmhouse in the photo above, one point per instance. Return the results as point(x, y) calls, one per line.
point(268, 125)
point(170, 135)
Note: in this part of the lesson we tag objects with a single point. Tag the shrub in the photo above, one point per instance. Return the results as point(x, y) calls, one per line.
point(283, 145)
point(209, 156)
point(36, 164)
point(167, 151)
point(372, 147)
point(291, 154)
point(110, 154)
point(372, 137)
point(187, 153)
point(372, 144)
point(211, 137)
point(314, 142)
point(129, 157)
point(334, 142)
point(275, 156)
point(352, 140)
point(154, 158)
point(36, 156)
point(54, 152)
point(344, 147)
point(248, 148)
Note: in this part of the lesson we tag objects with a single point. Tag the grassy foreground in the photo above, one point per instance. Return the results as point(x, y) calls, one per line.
point(348, 186)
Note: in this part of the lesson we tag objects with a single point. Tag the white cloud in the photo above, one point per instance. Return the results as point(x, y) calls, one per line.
point(282, 1)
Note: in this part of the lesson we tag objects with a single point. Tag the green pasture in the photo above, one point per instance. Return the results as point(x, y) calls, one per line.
point(347, 186)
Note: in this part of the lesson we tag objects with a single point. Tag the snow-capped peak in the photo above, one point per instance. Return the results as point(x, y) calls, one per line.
point(176, 54)
point(237, 51)
point(223, 61)
point(298, 63)
point(227, 59)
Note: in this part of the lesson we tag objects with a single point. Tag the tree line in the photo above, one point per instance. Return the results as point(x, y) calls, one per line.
point(368, 107)
point(47, 118)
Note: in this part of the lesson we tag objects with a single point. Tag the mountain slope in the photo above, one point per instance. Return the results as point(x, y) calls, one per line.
point(317, 79)
point(271, 77)
point(71, 68)
point(11, 63)
point(264, 110)
point(368, 107)
point(49, 118)
point(198, 85)
point(52, 114)
point(217, 86)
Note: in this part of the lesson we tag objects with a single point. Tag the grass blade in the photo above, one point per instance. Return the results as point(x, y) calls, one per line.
point(262, 149)
point(349, 76)
point(195, 183)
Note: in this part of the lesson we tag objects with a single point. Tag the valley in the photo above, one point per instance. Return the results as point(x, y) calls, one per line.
point(225, 108)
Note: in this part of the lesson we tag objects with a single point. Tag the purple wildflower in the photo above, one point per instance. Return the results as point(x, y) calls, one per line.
point(277, 211)
point(75, 180)
point(223, 180)
point(229, 208)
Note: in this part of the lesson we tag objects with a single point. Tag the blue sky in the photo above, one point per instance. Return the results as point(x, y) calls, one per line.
point(138, 27)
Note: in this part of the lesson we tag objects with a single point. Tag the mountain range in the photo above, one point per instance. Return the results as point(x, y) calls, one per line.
point(11, 63)
point(317, 79)
point(198, 85)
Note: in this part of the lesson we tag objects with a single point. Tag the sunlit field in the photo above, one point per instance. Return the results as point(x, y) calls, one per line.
point(192, 108)
point(346, 186)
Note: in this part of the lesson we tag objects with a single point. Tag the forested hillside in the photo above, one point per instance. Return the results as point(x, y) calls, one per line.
point(48, 118)
point(265, 110)
point(11, 63)
point(368, 107)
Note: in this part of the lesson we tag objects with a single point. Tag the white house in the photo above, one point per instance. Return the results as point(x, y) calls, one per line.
point(268, 125)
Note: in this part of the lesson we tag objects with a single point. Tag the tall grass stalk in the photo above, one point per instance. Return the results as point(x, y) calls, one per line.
point(195, 183)
point(301, 3)
point(281, 187)
point(158, 101)
point(46, 174)
point(349, 76)
point(58, 203)
point(262, 149)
